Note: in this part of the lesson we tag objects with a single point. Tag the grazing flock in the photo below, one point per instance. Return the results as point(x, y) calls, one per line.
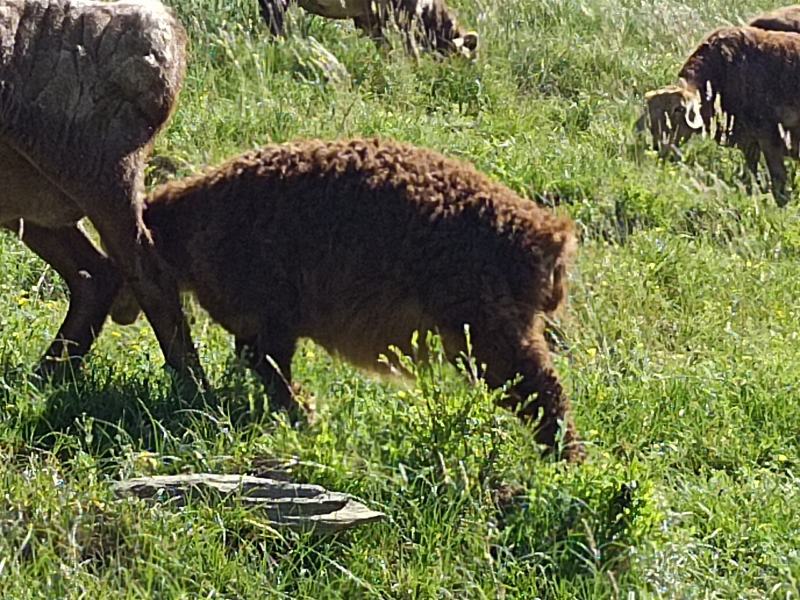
point(355, 244)
point(741, 84)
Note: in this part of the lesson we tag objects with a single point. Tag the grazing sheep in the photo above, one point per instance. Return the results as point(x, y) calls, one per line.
point(744, 82)
point(429, 22)
point(84, 88)
point(787, 19)
point(356, 245)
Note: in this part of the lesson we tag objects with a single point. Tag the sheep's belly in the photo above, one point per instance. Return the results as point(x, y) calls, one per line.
point(26, 194)
point(336, 9)
point(789, 116)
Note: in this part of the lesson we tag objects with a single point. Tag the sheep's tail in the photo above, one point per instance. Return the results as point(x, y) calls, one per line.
point(565, 248)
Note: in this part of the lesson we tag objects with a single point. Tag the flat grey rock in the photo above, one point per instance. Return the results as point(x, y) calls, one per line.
point(294, 505)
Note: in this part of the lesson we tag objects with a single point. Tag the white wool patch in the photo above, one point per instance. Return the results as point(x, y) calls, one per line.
point(150, 4)
point(786, 136)
point(422, 5)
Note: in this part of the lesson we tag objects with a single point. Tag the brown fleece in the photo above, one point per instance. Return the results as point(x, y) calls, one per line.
point(356, 244)
point(786, 18)
point(754, 74)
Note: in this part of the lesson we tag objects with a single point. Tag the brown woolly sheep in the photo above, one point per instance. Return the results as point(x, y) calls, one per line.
point(787, 19)
point(429, 22)
point(84, 88)
point(356, 245)
point(744, 82)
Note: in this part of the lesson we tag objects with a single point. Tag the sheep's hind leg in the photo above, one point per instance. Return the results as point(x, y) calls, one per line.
point(538, 394)
point(93, 283)
point(774, 150)
point(128, 244)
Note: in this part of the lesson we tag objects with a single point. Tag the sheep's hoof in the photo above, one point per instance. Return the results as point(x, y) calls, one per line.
point(300, 409)
point(59, 370)
point(574, 453)
point(570, 448)
point(187, 385)
point(782, 199)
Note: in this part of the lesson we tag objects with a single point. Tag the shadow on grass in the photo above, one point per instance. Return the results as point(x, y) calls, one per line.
point(140, 409)
point(122, 409)
point(569, 536)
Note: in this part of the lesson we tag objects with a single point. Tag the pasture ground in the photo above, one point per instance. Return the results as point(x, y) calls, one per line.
point(679, 348)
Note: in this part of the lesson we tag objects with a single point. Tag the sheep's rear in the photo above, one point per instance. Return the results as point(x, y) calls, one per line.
point(84, 88)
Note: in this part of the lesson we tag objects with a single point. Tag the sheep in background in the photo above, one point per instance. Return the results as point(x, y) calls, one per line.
point(427, 22)
point(786, 18)
point(356, 245)
point(84, 89)
point(742, 83)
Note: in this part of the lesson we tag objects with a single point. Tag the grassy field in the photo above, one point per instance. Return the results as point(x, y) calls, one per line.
point(680, 348)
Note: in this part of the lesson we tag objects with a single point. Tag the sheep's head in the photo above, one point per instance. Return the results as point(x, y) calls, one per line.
point(673, 115)
point(445, 34)
point(466, 44)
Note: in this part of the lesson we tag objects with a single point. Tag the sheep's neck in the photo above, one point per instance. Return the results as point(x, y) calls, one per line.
point(169, 233)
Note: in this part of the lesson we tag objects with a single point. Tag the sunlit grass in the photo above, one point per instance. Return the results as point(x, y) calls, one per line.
point(680, 348)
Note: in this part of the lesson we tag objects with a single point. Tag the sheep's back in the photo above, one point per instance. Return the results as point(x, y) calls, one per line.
point(331, 232)
point(337, 9)
point(755, 72)
point(786, 18)
point(84, 83)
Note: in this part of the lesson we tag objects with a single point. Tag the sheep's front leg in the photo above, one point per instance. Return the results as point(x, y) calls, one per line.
point(371, 26)
point(539, 395)
point(270, 356)
point(752, 154)
point(538, 398)
point(774, 150)
point(92, 281)
point(273, 13)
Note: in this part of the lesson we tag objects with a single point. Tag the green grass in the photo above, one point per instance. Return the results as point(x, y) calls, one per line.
point(680, 349)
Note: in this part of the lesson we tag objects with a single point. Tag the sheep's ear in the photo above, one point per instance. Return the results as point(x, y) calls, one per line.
point(692, 114)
